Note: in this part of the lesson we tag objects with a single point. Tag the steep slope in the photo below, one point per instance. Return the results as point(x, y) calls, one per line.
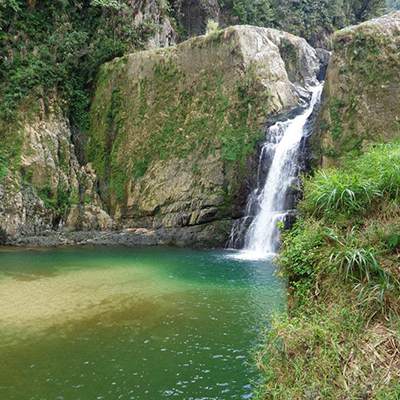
point(42, 180)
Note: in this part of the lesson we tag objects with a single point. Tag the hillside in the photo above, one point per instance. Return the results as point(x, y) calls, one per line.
point(340, 337)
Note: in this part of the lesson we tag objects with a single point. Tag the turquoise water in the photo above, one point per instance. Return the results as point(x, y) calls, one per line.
point(123, 323)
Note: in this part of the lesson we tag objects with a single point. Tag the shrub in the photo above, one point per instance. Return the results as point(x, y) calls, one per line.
point(302, 256)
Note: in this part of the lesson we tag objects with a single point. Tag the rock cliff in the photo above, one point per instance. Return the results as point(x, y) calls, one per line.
point(42, 186)
point(361, 99)
point(174, 131)
point(172, 144)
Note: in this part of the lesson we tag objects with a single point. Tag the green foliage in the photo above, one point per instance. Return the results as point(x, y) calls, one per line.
point(3, 165)
point(305, 18)
point(302, 255)
point(353, 189)
point(253, 12)
point(381, 166)
point(336, 128)
point(61, 44)
point(46, 194)
point(358, 263)
point(335, 191)
point(391, 240)
point(393, 5)
point(341, 261)
point(58, 201)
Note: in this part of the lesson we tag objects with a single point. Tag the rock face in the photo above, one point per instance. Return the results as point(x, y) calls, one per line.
point(172, 146)
point(361, 99)
point(174, 132)
point(193, 15)
point(44, 187)
point(153, 11)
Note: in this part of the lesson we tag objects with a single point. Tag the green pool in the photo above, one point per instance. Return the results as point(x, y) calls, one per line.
point(127, 323)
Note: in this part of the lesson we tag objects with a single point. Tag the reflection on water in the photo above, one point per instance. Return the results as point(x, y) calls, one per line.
point(101, 323)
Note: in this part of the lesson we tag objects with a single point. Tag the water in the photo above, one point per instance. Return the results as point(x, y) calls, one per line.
point(119, 323)
point(269, 201)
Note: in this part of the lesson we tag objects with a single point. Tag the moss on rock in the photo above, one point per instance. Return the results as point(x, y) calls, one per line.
point(173, 109)
point(361, 99)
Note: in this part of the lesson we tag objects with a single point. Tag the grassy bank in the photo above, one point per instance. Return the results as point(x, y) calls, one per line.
point(340, 338)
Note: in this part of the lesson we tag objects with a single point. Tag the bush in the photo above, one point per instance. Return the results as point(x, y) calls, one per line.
point(60, 45)
point(302, 257)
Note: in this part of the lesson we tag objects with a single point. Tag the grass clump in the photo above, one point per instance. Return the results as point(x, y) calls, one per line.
point(354, 189)
point(339, 191)
point(341, 336)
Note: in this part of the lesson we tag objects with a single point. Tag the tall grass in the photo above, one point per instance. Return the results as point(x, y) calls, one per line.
point(381, 165)
point(359, 184)
point(335, 190)
point(358, 263)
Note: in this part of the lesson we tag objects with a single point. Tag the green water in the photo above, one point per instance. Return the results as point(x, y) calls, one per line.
point(111, 323)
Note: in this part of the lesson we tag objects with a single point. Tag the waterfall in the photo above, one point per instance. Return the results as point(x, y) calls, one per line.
point(268, 201)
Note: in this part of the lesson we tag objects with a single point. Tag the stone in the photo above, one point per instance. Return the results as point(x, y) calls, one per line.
point(197, 180)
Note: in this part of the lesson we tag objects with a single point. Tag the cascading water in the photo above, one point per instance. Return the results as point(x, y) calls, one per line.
point(268, 201)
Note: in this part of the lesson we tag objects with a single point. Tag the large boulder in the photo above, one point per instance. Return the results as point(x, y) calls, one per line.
point(174, 131)
point(172, 146)
point(361, 99)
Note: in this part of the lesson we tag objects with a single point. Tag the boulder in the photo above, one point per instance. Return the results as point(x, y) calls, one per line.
point(361, 98)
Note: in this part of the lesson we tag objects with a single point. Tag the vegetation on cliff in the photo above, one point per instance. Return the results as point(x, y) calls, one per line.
point(314, 20)
point(50, 53)
point(341, 337)
point(196, 110)
point(60, 44)
point(393, 5)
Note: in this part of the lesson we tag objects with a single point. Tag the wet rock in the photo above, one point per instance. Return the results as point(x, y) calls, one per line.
point(323, 58)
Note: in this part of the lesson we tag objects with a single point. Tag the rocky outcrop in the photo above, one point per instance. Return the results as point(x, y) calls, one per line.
point(173, 132)
point(154, 12)
point(361, 99)
point(45, 187)
point(172, 147)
